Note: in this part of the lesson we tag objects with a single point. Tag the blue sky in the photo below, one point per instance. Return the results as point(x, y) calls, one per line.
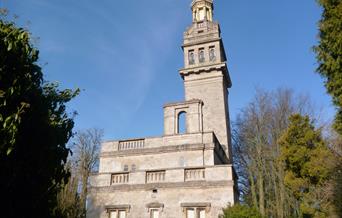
point(125, 55)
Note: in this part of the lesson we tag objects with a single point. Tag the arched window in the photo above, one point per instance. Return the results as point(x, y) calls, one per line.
point(133, 168)
point(201, 56)
point(181, 123)
point(191, 58)
point(212, 54)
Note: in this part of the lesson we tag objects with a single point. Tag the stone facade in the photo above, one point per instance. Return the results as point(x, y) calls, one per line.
point(180, 174)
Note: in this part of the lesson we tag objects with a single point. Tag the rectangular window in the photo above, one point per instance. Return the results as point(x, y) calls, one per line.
point(154, 213)
point(122, 214)
point(195, 212)
point(117, 214)
point(113, 214)
point(201, 213)
point(190, 213)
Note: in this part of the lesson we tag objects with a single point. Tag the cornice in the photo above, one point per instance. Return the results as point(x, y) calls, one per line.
point(167, 185)
point(207, 69)
point(193, 101)
point(163, 149)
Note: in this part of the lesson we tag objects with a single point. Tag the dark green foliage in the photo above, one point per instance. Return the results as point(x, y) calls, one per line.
point(68, 199)
point(329, 56)
point(329, 53)
point(34, 129)
point(337, 187)
point(308, 167)
point(240, 211)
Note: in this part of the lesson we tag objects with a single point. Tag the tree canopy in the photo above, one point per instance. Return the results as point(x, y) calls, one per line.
point(329, 53)
point(308, 166)
point(34, 129)
point(240, 211)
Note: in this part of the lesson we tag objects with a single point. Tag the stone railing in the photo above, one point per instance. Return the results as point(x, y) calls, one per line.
point(174, 175)
point(155, 176)
point(131, 144)
point(194, 174)
point(120, 178)
point(207, 24)
point(119, 146)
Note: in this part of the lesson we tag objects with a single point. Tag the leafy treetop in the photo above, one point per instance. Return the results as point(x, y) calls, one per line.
point(329, 53)
point(34, 128)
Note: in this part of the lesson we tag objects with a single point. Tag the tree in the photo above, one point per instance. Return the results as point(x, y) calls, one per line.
point(240, 211)
point(256, 150)
point(84, 160)
point(86, 150)
point(68, 199)
point(334, 141)
point(337, 190)
point(308, 167)
point(34, 129)
point(329, 53)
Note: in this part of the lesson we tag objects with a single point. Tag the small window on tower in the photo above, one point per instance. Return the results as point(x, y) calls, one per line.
point(212, 54)
point(191, 57)
point(181, 123)
point(201, 56)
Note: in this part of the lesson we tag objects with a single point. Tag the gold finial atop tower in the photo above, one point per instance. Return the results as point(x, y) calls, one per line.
point(202, 10)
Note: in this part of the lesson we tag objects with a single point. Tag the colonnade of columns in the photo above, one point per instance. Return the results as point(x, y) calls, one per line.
point(207, 12)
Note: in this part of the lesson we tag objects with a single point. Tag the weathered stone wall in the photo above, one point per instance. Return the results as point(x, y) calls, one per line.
point(217, 194)
point(210, 88)
point(153, 161)
point(211, 173)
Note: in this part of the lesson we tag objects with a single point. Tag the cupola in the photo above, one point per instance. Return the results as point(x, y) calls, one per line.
point(202, 10)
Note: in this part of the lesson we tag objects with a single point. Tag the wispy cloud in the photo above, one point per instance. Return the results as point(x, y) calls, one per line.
point(134, 63)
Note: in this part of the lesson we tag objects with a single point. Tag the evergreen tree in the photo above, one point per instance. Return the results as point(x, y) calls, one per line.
point(34, 129)
point(329, 53)
point(240, 211)
point(308, 167)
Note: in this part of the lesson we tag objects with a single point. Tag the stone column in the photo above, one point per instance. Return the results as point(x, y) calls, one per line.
point(205, 13)
point(197, 14)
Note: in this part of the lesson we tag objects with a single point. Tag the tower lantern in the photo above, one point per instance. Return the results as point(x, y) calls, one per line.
point(202, 10)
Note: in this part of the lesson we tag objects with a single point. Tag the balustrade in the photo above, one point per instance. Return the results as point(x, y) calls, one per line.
point(120, 178)
point(155, 176)
point(194, 174)
point(131, 144)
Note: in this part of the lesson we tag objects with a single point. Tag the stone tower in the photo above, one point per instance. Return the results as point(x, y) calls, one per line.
point(205, 74)
point(187, 172)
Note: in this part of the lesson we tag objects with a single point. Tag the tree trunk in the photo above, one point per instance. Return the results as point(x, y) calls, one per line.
point(261, 194)
point(85, 176)
point(253, 191)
